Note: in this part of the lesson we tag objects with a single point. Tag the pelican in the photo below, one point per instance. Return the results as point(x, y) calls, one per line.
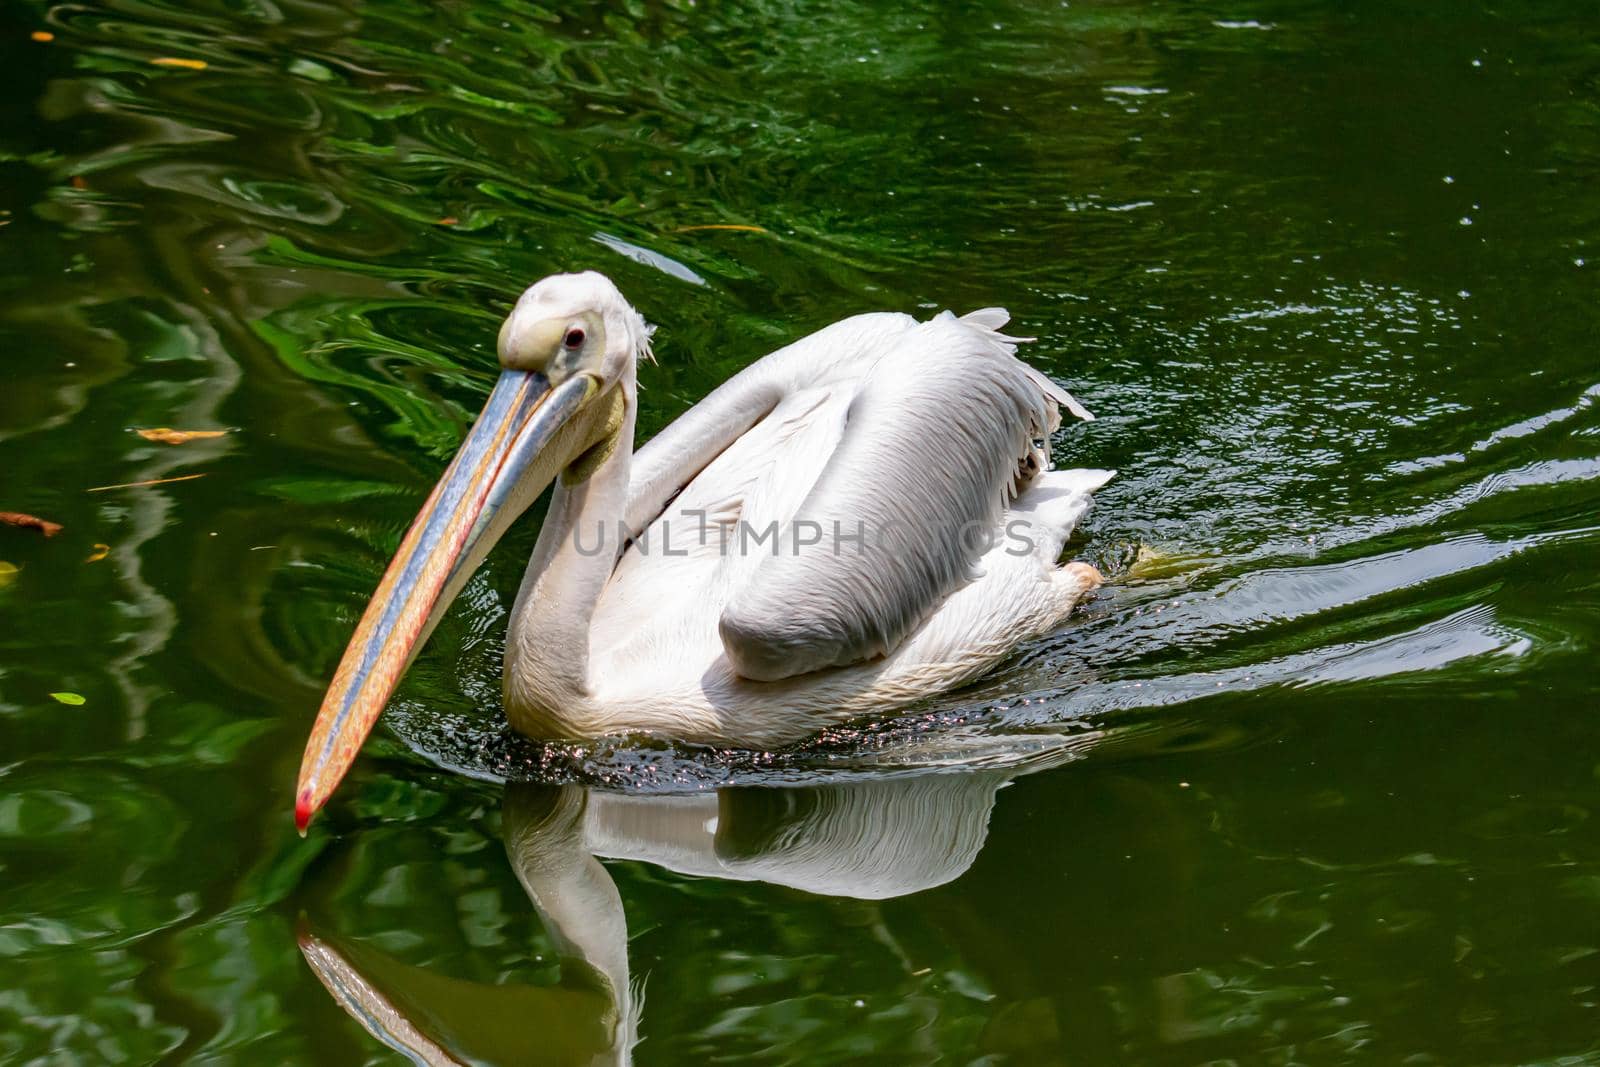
point(853, 522)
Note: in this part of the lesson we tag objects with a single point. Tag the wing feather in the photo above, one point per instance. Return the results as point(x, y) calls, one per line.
point(905, 505)
point(939, 416)
point(672, 458)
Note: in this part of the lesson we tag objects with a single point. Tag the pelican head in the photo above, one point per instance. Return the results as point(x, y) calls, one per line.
point(571, 324)
point(567, 352)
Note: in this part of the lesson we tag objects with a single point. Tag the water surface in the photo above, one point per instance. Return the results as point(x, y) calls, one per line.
point(1312, 779)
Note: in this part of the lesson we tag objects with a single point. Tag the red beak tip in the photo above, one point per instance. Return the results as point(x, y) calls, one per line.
point(303, 811)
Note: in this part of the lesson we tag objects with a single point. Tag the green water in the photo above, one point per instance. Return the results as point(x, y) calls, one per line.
point(1316, 783)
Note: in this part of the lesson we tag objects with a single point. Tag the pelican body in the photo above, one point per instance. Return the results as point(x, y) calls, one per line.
point(856, 521)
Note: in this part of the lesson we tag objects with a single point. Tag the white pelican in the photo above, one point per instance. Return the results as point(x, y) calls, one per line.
point(858, 520)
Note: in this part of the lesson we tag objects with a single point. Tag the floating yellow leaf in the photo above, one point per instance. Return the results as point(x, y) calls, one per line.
point(74, 699)
point(42, 36)
point(141, 485)
point(448, 220)
point(8, 573)
point(739, 227)
point(168, 436)
point(100, 552)
point(186, 64)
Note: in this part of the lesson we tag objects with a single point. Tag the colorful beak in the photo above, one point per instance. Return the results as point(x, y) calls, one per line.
point(523, 414)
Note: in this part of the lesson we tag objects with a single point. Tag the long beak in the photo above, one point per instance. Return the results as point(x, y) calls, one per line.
point(521, 417)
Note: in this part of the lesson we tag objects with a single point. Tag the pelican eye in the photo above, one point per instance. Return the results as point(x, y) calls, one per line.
point(574, 338)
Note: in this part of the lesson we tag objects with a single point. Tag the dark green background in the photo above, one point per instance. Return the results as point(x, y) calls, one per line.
point(1324, 769)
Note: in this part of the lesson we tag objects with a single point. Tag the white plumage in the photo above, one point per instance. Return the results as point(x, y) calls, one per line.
point(920, 438)
point(856, 521)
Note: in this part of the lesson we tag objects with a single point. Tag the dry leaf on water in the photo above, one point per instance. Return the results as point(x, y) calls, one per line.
point(100, 552)
point(168, 436)
point(8, 573)
point(172, 61)
point(30, 522)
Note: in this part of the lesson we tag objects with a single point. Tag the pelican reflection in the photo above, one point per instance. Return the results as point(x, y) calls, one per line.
point(869, 840)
